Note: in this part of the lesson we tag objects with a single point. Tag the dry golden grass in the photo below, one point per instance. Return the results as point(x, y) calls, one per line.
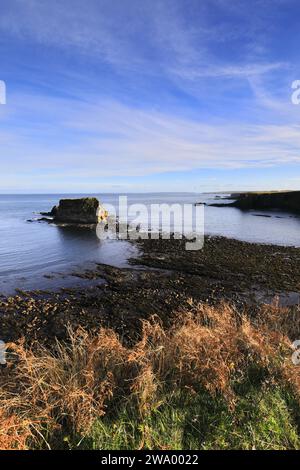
point(74, 384)
point(14, 432)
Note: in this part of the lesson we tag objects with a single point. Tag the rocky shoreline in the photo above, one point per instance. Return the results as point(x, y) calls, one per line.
point(162, 282)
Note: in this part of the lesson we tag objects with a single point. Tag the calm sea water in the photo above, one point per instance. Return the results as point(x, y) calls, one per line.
point(31, 251)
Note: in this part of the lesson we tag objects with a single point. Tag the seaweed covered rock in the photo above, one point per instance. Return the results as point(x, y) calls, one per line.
point(79, 211)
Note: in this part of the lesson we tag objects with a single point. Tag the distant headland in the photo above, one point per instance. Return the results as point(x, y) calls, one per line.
point(285, 200)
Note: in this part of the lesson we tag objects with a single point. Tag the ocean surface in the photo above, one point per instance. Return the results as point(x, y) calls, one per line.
point(36, 255)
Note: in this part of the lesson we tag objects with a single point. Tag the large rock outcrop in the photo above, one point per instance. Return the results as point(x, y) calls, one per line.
point(79, 211)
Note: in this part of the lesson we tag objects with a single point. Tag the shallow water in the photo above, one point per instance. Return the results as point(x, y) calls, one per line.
point(29, 251)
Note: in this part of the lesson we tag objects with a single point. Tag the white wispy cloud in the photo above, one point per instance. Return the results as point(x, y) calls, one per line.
point(111, 32)
point(107, 139)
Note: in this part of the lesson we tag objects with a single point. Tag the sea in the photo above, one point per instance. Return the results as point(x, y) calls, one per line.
point(38, 255)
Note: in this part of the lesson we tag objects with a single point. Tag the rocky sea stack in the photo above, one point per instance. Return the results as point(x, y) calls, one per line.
point(79, 211)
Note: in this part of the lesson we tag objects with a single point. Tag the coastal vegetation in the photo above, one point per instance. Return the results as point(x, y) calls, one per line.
point(215, 378)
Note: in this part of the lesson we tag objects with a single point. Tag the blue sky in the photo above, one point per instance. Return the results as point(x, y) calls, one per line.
point(160, 95)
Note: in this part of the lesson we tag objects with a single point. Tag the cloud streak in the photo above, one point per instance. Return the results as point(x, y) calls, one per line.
point(106, 139)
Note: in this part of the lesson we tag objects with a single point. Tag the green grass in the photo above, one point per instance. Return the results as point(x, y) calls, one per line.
point(262, 419)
